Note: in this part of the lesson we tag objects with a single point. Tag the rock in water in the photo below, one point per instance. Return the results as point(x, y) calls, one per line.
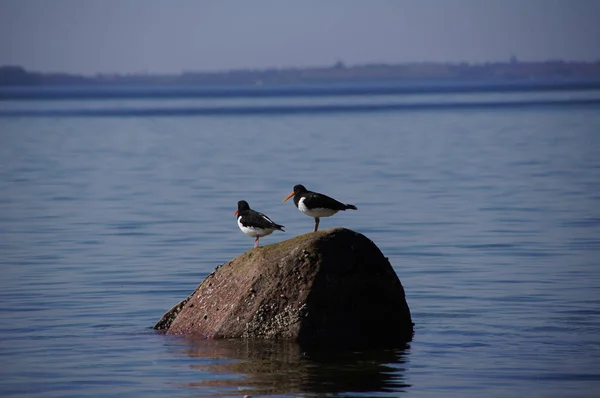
point(330, 286)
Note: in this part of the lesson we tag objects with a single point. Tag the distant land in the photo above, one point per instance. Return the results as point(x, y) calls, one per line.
point(510, 71)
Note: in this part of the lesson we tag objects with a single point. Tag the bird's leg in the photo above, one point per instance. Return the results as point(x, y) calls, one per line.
point(256, 241)
point(316, 224)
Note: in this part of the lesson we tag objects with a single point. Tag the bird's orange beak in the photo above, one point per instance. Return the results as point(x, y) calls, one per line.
point(235, 213)
point(287, 197)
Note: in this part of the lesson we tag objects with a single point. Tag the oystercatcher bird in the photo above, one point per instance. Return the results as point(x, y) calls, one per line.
point(253, 223)
point(315, 204)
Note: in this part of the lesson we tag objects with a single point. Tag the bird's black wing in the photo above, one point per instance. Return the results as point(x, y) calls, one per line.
point(259, 220)
point(318, 200)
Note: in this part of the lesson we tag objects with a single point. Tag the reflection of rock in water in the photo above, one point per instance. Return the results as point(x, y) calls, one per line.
point(281, 367)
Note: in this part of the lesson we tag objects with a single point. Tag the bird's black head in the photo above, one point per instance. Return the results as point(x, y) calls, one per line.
point(242, 206)
point(299, 189)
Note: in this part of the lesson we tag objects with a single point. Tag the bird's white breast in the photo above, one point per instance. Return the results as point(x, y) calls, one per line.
point(316, 212)
point(254, 232)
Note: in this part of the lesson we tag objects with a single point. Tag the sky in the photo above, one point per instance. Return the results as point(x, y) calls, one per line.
point(174, 36)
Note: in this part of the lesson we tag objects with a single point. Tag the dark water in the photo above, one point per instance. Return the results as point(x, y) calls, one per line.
point(490, 216)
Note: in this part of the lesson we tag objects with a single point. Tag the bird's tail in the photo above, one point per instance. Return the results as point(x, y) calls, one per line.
point(279, 227)
point(351, 207)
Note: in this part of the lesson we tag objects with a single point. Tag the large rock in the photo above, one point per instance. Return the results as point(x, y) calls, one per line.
point(330, 286)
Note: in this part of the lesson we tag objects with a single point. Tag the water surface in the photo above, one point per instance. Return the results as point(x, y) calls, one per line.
point(489, 215)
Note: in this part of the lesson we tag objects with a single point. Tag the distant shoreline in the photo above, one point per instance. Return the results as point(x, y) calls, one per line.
point(424, 73)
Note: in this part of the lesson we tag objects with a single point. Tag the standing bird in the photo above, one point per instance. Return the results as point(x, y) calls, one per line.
point(253, 223)
point(315, 204)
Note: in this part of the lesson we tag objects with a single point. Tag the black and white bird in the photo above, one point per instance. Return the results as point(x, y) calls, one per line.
point(315, 204)
point(254, 223)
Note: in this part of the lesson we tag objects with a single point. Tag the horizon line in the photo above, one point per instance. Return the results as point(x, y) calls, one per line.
point(336, 65)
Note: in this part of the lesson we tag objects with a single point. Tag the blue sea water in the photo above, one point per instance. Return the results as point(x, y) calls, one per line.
point(489, 212)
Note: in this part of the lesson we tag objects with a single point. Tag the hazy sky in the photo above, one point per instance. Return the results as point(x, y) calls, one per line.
point(170, 36)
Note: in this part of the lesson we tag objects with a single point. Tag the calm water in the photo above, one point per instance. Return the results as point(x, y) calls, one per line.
point(489, 215)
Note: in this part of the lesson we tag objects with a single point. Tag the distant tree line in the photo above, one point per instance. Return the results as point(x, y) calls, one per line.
point(510, 70)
